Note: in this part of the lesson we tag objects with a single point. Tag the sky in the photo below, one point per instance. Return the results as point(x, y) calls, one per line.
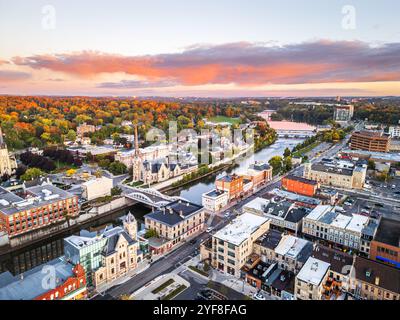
point(200, 48)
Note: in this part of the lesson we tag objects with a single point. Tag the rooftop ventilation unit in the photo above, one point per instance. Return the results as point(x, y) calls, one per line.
point(4, 202)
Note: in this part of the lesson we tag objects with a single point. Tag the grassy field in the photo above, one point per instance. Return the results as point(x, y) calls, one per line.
point(218, 119)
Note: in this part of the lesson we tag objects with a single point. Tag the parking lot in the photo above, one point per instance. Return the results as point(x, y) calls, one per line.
point(365, 206)
point(389, 189)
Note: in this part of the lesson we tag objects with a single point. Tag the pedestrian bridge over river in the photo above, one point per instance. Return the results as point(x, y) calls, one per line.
point(150, 197)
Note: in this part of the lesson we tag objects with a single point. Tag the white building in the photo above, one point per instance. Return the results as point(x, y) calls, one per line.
point(284, 214)
point(310, 280)
point(352, 231)
point(233, 244)
point(146, 154)
point(394, 131)
point(215, 200)
point(96, 188)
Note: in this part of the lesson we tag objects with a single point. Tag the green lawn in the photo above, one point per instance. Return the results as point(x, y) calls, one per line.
point(218, 119)
point(175, 292)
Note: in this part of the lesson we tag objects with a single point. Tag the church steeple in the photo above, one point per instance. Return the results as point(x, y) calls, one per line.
point(1, 138)
point(130, 225)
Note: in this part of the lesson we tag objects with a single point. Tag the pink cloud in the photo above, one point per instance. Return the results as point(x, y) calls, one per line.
point(243, 63)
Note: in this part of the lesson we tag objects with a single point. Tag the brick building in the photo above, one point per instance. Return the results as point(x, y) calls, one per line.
point(68, 283)
point(233, 184)
point(35, 208)
point(300, 185)
point(374, 141)
point(386, 244)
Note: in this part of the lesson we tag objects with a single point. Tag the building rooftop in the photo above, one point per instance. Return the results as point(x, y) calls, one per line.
point(175, 212)
point(214, 193)
point(257, 204)
point(327, 214)
point(339, 261)
point(377, 274)
point(322, 167)
point(260, 166)
point(371, 133)
point(240, 228)
point(294, 197)
point(34, 197)
point(378, 156)
point(313, 271)
point(294, 248)
point(270, 239)
point(228, 178)
point(388, 232)
point(301, 179)
point(30, 286)
point(289, 125)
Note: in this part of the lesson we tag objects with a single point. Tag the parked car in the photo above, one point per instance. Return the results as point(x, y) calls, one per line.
point(258, 296)
point(209, 229)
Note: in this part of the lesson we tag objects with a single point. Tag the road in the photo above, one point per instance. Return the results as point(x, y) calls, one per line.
point(164, 265)
point(168, 263)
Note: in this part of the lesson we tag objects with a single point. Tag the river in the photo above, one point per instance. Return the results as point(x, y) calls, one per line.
point(36, 254)
point(193, 192)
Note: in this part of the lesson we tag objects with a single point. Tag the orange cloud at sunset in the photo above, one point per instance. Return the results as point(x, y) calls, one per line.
point(243, 65)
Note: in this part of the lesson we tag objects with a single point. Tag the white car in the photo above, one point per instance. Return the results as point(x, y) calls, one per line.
point(258, 296)
point(226, 215)
point(209, 229)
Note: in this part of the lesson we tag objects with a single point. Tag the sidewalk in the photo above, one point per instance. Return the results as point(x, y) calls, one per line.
point(104, 287)
point(148, 292)
point(239, 285)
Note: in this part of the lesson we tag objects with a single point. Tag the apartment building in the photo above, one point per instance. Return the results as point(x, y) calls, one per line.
point(372, 280)
point(385, 247)
point(173, 223)
point(35, 208)
point(289, 252)
point(233, 184)
point(374, 141)
point(350, 231)
point(309, 283)
point(233, 245)
point(343, 113)
point(332, 175)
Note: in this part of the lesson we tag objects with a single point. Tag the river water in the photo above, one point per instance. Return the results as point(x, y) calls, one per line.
point(193, 192)
point(36, 254)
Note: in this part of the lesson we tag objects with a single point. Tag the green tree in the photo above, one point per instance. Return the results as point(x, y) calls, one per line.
point(71, 135)
point(287, 153)
point(150, 233)
point(371, 165)
point(31, 174)
point(116, 191)
point(117, 168)
point(276, 164)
